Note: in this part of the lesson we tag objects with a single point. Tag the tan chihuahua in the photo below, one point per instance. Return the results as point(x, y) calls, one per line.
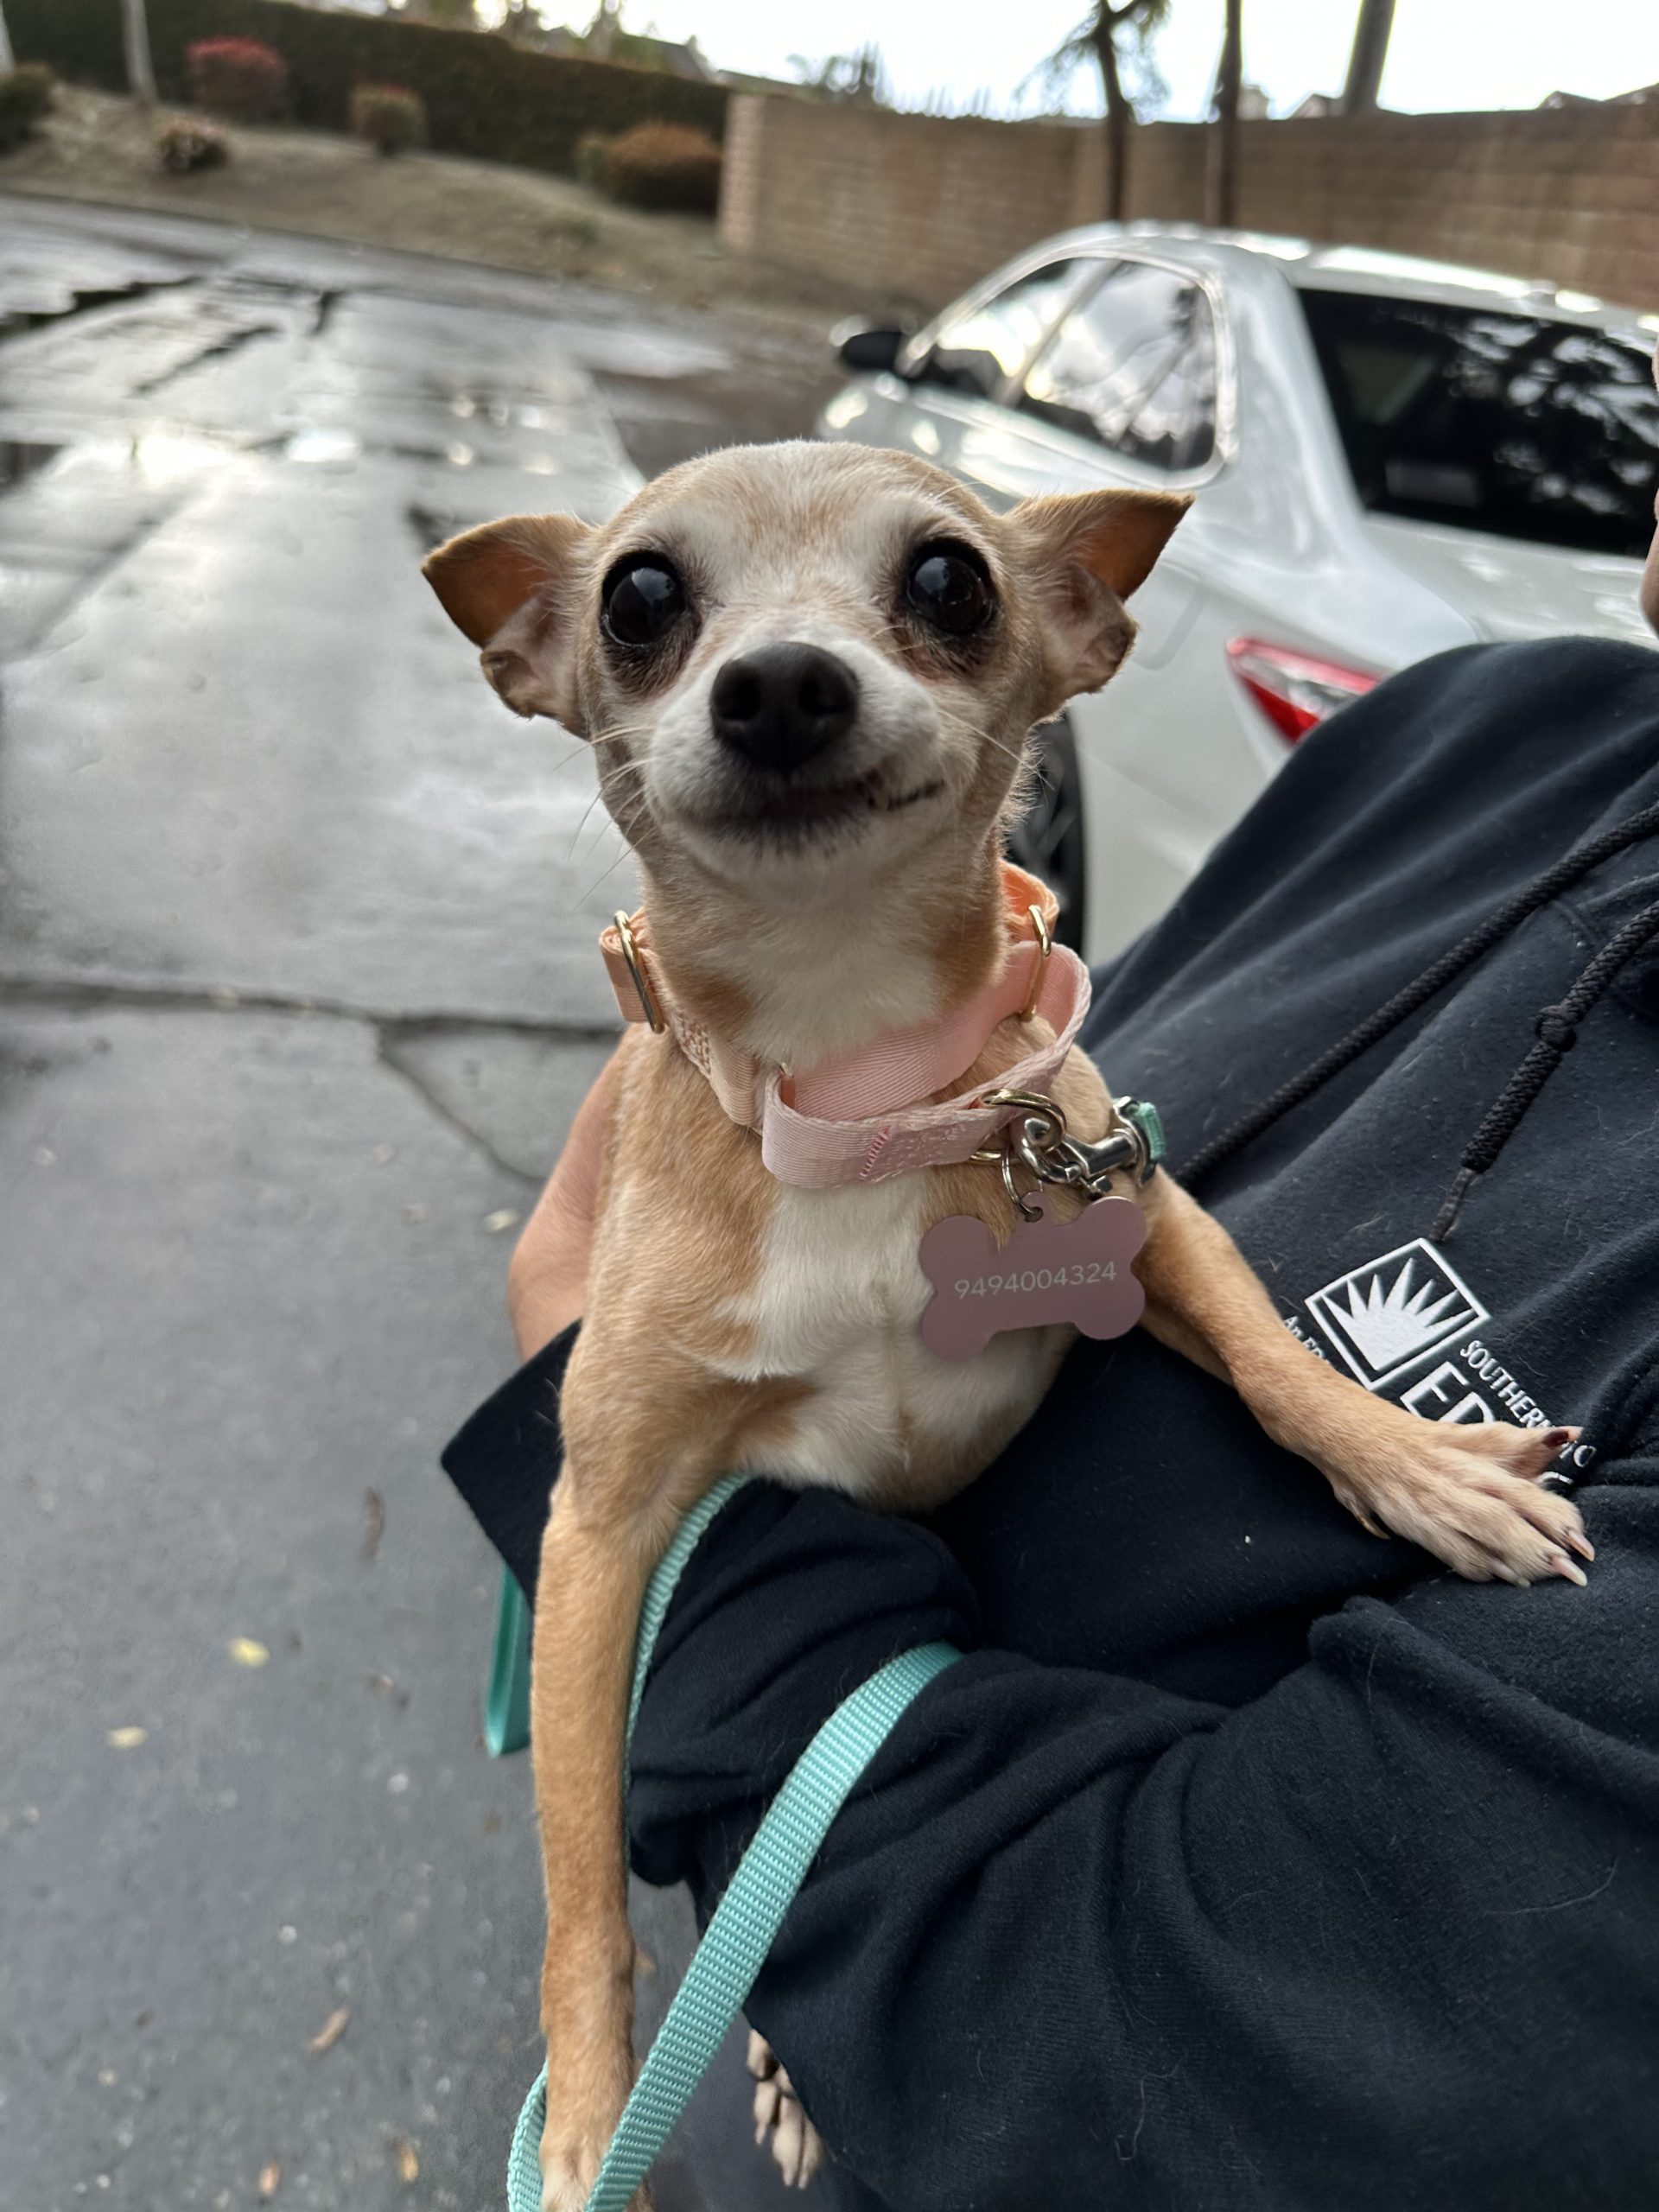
point(809, 672)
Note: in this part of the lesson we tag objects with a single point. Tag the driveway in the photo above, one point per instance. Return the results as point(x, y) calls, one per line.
point(297, 992)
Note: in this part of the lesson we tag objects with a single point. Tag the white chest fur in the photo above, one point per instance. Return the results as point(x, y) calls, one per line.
point(836, 1304)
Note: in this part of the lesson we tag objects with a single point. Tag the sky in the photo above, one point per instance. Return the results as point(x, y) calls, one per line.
point(1445, 54)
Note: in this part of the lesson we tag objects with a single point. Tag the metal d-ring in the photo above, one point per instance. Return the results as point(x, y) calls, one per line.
point(1040, 966)
point(1030, 1102)
point(637, 970)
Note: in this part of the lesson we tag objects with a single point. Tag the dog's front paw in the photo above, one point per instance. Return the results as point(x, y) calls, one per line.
point(779, 2119)
point(576, 2132)
point(569, 2168)
point(1469, 1494)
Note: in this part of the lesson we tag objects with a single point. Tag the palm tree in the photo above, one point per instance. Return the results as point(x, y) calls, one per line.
point(141, 70)
point(1112, 32)
point(1369, 53)
point(1221, 181)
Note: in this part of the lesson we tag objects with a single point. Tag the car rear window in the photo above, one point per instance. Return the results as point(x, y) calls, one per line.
point(1492, 419)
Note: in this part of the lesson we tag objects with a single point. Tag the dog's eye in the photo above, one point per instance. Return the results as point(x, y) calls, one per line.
point(641, 597)
point(948, 587)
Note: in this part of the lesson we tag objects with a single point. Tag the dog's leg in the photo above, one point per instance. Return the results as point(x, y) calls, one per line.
point(1469, 1493)
point(594, 1571)
point(780, 2119)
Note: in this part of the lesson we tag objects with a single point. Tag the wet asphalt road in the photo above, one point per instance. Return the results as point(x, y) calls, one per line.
point(296, 995)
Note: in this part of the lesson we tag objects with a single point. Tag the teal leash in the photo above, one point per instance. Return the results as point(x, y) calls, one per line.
point(733, 1948)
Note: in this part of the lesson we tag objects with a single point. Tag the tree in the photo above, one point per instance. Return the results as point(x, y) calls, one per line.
point(1221, 177)
point(860, 77)
point(1113, 34)
point(8, 59)
point(141, 70)
point(455, 15)
point(1369, 52)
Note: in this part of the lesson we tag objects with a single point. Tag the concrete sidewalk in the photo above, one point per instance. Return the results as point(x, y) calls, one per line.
point(296, 995)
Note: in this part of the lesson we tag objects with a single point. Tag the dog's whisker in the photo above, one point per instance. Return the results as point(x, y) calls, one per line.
point(623, 855)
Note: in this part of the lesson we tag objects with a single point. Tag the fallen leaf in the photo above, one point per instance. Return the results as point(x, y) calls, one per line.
point(128, 1739)
point(503, 1219)
point(270, 2180)
point(408, 2163)
point(331, 2028)
point(374, 1523)
point(247, 1651)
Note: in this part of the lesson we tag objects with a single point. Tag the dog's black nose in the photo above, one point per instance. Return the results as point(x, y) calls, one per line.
point(783, 704)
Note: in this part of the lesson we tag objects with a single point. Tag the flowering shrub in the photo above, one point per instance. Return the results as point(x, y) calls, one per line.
point(391, 116)
point(241, 78)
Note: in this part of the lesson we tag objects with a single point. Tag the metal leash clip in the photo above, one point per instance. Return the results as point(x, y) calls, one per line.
point(1037, 1140)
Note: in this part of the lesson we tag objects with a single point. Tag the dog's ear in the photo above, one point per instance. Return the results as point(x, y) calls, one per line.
point(1087, 552)
point(512, 587)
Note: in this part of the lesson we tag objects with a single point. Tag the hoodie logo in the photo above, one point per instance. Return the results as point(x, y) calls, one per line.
point(1391, 1314)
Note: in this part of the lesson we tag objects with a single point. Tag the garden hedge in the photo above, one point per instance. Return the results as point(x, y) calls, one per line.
point(484, 96)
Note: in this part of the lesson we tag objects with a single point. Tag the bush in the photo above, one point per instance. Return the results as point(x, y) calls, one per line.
point(593, 154)
point(185, 143)
point(241, 78)
point(391, 116)
point(484, 96)
point(665, 165)
point(25, 97)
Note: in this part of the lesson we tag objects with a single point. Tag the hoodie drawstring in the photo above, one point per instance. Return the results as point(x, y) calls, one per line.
point(1556, 1025)
point(1557, 1035)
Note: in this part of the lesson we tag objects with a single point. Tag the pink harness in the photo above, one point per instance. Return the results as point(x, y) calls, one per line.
point(862, 1116)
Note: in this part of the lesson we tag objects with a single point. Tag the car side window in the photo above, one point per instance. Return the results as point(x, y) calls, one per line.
point(981, 350)
point(1134, 368)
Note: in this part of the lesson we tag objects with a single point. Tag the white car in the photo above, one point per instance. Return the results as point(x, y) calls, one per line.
point(1392, 456)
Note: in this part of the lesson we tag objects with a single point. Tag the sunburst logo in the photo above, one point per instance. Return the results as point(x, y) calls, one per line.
point(1385, 1317)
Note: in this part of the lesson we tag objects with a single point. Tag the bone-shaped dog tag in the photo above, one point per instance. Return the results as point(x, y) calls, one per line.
point(1049, 1271)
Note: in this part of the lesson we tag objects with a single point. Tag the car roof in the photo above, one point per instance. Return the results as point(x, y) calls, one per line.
point(1371, 269)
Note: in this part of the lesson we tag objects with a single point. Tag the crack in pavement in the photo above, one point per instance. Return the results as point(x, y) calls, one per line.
point(68, 995)
point(75, 995)
point(385, 1054)
point(83, 300)
point(233, 342)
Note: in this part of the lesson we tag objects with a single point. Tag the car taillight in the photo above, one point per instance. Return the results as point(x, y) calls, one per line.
point(1294, 690)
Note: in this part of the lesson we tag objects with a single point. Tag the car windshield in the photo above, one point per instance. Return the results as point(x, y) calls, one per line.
point(1496, 419)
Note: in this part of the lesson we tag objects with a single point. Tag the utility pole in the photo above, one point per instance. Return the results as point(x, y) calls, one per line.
point(8, 59)
point(141, 70)
point(1369, 53)
point(1221, 174)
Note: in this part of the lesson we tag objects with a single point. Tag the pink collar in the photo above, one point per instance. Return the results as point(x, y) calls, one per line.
point(862, 1116)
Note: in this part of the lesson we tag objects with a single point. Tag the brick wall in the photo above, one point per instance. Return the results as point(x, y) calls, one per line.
point(921, 207)
point(905, 204)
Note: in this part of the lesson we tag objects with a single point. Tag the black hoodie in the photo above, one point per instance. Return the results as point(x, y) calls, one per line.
point(1249, 1861)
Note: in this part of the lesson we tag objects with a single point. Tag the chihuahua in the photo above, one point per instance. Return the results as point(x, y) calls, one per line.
point(810, 674)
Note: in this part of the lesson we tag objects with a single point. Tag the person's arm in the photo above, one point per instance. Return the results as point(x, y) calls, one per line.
point(1390, 1934)
point(1390, 1929)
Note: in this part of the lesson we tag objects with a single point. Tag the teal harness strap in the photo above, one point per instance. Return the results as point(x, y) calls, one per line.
point(748, 1917)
